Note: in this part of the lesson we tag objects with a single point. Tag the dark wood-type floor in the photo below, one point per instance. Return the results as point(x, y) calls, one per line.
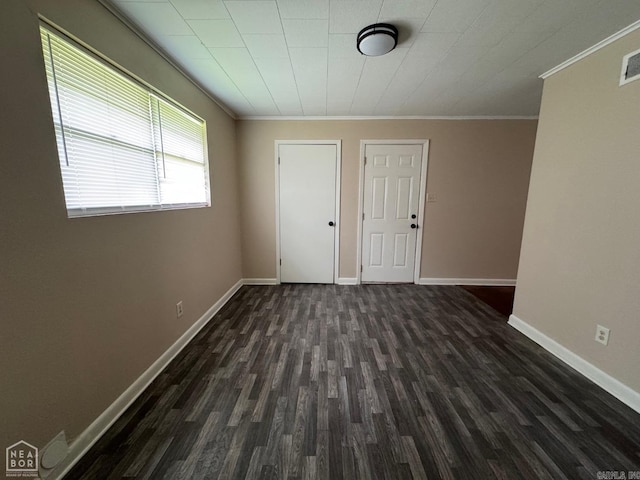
point(500, 298)
point(366, 382)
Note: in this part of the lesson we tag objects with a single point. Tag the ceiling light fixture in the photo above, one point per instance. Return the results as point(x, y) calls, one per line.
point(377, 39)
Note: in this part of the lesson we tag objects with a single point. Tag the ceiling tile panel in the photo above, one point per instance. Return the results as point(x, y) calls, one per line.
point(241, 69)
point(217, 33)
point(432, 45)
point(338, 109)
point(255, 17)
point(233, 59)
point(514, 46)
point(517, 9)
point(343, 78)
point(200, 9)
point(488, 30)
point(454, 15)
point(306, 33)
point(310, 69)
point(183, 46)
point(460, 58)
point(266, 45)
point(318, 9)
point(407, 8)
point(343, 45)
point(551, 16)
point(409, 76)
point(138, 1)
point(348, 16)
point(454, 57)
point(157, 18)
point(376, 75)
point(246, 76)
point(214, 77)
point(278, 76)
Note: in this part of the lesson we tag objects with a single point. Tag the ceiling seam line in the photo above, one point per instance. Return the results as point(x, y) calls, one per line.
point(293, 71)
point(211, 55)
point(165, 56)
point(252, 61)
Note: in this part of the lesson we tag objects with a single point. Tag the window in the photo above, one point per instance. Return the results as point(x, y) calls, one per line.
point(122, 146)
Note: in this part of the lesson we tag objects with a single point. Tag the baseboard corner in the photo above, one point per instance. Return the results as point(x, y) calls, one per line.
point(260, 281)
point(81, 444)
point(615, 387)
point(347, 281)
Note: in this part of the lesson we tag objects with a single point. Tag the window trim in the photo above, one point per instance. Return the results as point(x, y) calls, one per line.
point(81, 212)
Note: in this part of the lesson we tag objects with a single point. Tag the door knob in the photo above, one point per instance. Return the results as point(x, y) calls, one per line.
point(331, 224)
point(413, 216)
point(413, 225)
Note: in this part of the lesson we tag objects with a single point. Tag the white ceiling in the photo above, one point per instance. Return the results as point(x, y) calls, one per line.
point(298, 57)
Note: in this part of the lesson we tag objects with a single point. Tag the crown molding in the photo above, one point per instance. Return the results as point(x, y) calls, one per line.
point(625, 31)
point(388, 117)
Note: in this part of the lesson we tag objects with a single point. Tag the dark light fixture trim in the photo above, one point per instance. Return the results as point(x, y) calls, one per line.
point(377, 39)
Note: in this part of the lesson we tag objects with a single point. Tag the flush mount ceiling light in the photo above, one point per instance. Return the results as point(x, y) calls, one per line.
point(377, 39)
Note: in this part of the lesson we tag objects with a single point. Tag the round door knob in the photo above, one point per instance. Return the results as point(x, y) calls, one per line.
point(331, 224)
point(413, 225)
point(413, 216)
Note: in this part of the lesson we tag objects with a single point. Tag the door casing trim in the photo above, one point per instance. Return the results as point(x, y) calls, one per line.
point(336, 255)
point(421, 200)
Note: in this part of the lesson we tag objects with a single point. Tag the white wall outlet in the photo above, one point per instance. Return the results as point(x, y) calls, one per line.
point(602, 335)
point(432, 197)
point(179, 310)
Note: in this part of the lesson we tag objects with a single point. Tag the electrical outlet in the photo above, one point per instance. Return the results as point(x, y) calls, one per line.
point(602, 335)
point(179, 310)
point(432, 197)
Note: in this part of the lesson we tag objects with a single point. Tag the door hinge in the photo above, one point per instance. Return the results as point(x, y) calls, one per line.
point(360, 268)
point(278, 160)
point(280, 261)
point(365, 160)
point(362, 215)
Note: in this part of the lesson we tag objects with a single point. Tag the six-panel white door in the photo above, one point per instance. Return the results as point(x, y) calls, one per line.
point(307, 200)
point(391, 194)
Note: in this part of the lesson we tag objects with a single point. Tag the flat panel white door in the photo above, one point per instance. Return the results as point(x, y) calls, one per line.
point(391, 194)
point(307, 179)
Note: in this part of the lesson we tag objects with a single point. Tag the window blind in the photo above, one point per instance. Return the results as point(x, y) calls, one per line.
point(121, 147)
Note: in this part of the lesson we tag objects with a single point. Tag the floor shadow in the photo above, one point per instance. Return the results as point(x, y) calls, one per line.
point(499, 298)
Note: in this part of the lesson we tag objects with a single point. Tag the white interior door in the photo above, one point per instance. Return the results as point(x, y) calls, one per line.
point(307, 200)
point(390, 221)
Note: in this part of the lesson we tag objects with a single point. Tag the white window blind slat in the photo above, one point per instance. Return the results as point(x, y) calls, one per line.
point(121, 147)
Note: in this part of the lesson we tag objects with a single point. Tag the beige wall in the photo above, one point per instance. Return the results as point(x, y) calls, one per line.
point(479, 171)
point(580, 262)
point(88, 304)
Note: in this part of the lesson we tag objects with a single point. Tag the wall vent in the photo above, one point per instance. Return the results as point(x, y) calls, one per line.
point(630, 68)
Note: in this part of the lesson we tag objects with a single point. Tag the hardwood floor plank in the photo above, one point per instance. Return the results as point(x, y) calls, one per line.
point(298, 382)
point(413, 457)
point(150, 466)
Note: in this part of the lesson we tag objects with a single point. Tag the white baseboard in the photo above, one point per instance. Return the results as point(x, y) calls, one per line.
point(260, 281)
point(616, 388)
point(100, 425)
point(347, 281)
point(487, 282)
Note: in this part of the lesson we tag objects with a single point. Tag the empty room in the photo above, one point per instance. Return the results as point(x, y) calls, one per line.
point(320, 239)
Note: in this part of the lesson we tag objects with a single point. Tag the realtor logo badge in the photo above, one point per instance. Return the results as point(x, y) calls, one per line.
point(22, 460)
